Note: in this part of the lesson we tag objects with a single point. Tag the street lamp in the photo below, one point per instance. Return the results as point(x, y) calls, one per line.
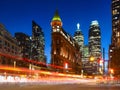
point(14, 64)
point(92, 58)
point(66, 65)
point(111, 71)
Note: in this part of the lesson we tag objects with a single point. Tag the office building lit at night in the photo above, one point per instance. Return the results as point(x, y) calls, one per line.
point(38, 43)
point(8, 48)
point(114, 48)
point(95, 45)
point(79, 38)
point(24, 44)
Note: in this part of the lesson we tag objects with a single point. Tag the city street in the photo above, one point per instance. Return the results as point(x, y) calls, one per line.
point(60, 45)
point(59, 87)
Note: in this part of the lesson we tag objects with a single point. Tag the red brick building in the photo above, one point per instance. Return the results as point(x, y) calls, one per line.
point(65, 54)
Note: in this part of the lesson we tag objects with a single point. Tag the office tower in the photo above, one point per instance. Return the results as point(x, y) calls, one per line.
point(95, 44)
point(114, 49)
point(24, 44)
point(79, 38)
point(38, 43)
point(86, 54)
point(86, 67)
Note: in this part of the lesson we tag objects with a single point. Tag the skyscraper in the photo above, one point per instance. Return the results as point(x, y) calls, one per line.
point(116, 23)
point(86, 54)
point(24, 44)
point(79, 38)
point(95, 40)
point(95, 43)
point(114, 49)
point(38, 43)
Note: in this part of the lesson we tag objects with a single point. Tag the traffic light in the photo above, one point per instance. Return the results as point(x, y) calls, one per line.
point(100, 61)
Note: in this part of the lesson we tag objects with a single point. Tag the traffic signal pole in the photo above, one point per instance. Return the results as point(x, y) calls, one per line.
point(103, 61)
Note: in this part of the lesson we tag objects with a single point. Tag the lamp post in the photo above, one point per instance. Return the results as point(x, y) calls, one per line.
point(30, 64)
point(111, 73)
point(103, 60)
point(66, 67)
point(14, 64)
point(92, 59)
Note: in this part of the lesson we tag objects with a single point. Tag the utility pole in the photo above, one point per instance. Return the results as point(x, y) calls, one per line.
point(103, 61)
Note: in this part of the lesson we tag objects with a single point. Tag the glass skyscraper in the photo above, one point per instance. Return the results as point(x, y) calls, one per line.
point(38, 43)
point(95, 40)
point(95, 44)
point(79, 38)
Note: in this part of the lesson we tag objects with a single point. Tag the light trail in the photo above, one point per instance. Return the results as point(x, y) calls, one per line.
point(27, 71)
point(13, 74)
point(32, 61)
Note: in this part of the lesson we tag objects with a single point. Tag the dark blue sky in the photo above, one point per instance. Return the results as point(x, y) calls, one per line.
point(17, 16)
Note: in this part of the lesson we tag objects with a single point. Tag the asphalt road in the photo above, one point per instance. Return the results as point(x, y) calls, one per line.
point(58, 87)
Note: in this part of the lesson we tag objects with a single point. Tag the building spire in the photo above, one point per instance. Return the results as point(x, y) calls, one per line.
point(56, 16)
point(56, 21)
point(95, 22)
point(78, 27)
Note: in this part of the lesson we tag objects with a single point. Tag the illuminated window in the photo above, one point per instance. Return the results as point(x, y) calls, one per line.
point(54, 30)
point(58, 26)
point(54, 52)
point(116, 17)
point(115, 12)
point(58, 29)
point(61, 53)
point(111, 50)
point(118, 34)
point(110, 56)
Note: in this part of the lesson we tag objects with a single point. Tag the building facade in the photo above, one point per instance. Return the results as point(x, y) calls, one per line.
point(24, 44)
point(114, 49)
point(86, 54)
point(38, 43)
point(85, 64)
point(17, 51)
point(9, 49)
point(95, 45)
point(65, 56)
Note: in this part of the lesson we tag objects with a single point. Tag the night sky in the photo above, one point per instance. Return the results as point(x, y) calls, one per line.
point(17, 16)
